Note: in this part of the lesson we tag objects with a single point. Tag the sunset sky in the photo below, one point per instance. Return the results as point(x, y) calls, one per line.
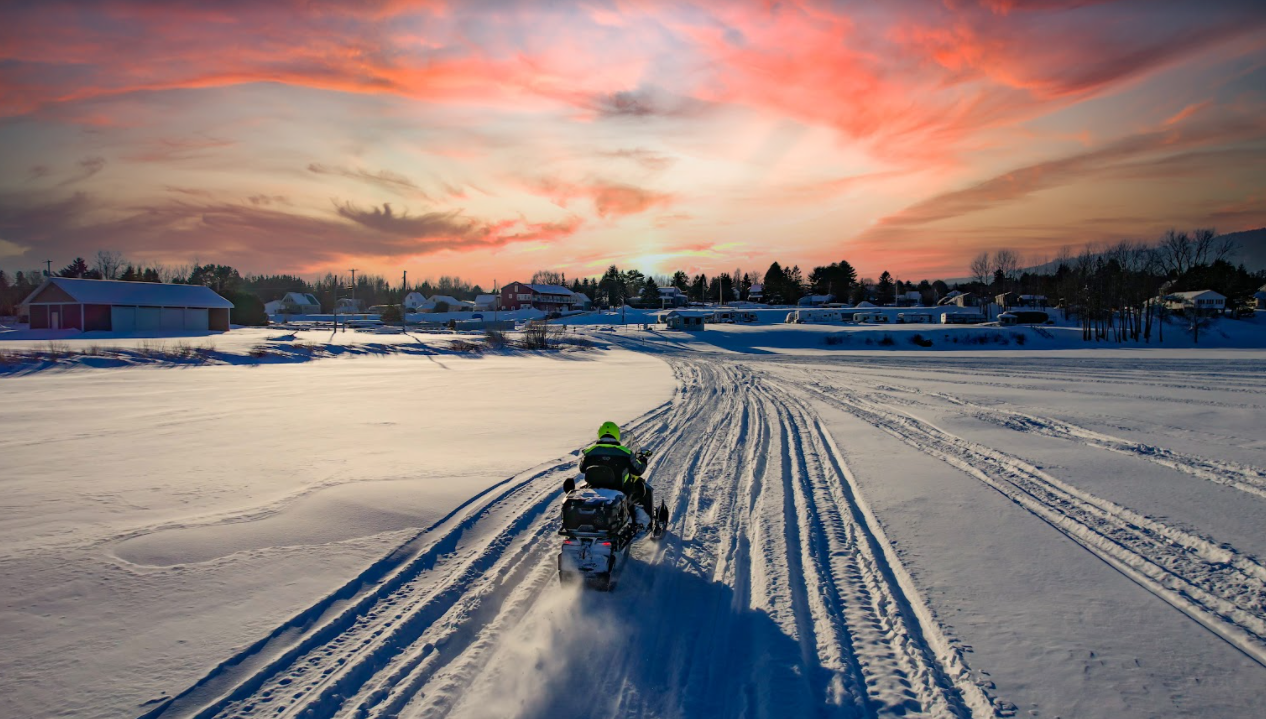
point(491, 139)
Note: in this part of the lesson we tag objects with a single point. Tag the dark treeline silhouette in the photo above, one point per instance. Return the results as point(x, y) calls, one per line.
point(1115, 292)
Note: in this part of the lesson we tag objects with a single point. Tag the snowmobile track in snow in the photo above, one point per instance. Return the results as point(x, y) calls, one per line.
point(775, 593)
point(1210, 582)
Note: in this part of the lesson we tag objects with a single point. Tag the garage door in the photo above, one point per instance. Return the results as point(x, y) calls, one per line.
point(148, 318)
point(172, 318)
point(123, 319)
point(197, 319)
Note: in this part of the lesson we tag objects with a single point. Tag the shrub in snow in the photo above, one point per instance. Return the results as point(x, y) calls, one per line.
point(833, 340)
point(887, 341)
point(921, 341)
point(1019, 338)
point(540, 335)
point(495, 339)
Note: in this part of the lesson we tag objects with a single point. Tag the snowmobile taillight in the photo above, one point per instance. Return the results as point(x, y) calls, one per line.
point(606, 544)
point(567, 541)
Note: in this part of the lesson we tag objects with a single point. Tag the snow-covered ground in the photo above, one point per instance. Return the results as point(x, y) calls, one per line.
point(857, 531)
point(158, 520)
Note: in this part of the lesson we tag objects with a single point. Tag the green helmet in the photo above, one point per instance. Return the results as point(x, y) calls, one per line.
point(609, 429)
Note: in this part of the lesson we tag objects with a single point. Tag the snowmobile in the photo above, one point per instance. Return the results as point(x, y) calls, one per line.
point(599, 527)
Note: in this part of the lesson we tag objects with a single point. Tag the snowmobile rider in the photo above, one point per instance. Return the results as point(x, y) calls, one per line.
point(626, 467)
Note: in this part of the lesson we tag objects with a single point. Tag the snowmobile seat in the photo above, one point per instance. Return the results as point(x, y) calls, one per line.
point(590, 511)
point(600, 477)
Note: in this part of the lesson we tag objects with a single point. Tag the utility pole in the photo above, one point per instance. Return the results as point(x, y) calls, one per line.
point(404, 287)
point(353, 271)
point(496, 303)
point(48, 272)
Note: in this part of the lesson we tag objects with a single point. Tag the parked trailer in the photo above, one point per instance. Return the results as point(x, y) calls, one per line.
point(813, 317)
point(962, 318)
point(877, 318)
point(914, 318)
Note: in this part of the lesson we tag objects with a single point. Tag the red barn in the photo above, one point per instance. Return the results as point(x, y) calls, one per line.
point(549, 298)
point(111, 306)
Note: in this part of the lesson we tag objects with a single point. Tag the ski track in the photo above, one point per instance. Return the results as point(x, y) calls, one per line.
point(775, 593)
point(1210, 582)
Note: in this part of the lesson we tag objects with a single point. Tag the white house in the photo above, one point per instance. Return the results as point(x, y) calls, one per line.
point(756, 293)
point(349, 306)
point(414, 301)
point(1260, 297)
point(1203, 301)
point(673, 297)
point(582, 301)
point(486, 303)
point(294, 303)
point(452, 303)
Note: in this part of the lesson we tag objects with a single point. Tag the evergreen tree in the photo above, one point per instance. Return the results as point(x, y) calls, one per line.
point(150, 275)
point(650, 293)
point(886, 291)
point(75, 269)
point(681, 280)
point(130, 274)
point(699, 288)
point(611, 286)
point(775, 285)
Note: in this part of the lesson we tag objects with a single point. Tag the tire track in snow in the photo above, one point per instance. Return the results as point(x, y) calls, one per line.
point(1210, 582)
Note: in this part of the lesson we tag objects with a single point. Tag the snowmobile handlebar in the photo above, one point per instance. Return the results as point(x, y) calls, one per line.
point(644, 455)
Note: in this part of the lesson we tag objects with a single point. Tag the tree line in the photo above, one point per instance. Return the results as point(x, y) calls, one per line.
point(1111, 289)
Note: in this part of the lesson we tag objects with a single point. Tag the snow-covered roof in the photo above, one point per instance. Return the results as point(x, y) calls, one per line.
point(436, 299)
point(1199, 295)
point(483, 299)
point(1032, 297)
point(756, 288)
point(581, 296)
point(864, 303)
point(670, 290)
point(418, 296)
point(138, 294)
point(549, 289)
point(300, 298)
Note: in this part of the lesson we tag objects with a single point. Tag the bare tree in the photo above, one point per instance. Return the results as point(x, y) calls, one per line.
point(108, 263)
point(1008, 263)
point(547, 277)
point(1177, 252)
point(981, 268)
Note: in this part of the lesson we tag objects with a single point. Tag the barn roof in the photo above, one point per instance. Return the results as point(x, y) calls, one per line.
point(139, 294)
